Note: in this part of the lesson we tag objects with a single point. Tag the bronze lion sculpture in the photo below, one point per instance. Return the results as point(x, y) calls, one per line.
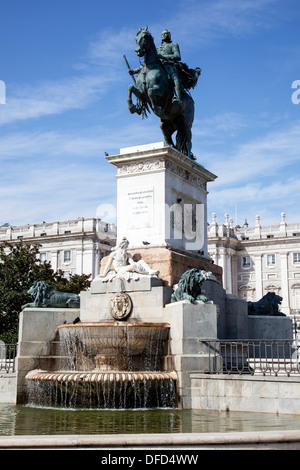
point(47, 297)
point(267, 305)
point(189, 286)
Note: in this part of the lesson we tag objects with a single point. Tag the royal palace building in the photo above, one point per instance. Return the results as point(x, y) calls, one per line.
point(258, 259)
point(255, 260)
point(74, 246)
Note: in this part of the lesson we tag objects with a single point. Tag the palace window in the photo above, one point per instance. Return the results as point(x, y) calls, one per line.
point(67, 256)
point(43, 257)
point(296, 296)
point(246, 293)
point(296, 258)
point(246, 261)
point(271, 260)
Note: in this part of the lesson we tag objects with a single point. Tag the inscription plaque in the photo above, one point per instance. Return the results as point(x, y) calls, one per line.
point(140, 209)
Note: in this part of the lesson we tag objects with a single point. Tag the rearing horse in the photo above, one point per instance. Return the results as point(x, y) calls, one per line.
point(153, 88)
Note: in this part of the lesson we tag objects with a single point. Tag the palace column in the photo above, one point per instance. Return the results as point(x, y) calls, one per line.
point(284, 283)
point(258, 277)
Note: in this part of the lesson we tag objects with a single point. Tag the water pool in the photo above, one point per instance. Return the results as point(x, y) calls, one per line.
point(28, 420)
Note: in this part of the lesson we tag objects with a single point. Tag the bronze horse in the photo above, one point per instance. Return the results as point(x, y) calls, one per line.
point(153, 88)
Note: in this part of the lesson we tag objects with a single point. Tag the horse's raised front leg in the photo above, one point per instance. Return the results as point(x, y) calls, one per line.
point(131, 106)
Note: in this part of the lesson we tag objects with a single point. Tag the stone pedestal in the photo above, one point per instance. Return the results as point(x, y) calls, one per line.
point(171, 264)
point(273, 336)
point(191, 325)
point(148, 297)
point(270, 327)
point(36, 331)
point(161, 198)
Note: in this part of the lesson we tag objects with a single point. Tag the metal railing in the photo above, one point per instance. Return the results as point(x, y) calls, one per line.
point(250, 356)
point(8, 353)
point(255, 357)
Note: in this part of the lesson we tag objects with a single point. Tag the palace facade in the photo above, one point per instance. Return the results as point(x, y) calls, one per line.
point(258, 259)
point(73, 246)
point(255, 259)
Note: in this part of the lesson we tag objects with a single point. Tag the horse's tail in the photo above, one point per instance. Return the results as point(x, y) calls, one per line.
point(143, 108)
point(184, 133)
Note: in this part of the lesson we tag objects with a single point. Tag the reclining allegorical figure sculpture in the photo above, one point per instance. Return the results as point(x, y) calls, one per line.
point(121, 265)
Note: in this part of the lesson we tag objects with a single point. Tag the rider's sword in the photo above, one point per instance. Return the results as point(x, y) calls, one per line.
point(126, 62)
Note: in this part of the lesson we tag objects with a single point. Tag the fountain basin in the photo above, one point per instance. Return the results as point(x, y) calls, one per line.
point(102, 390)
point(115, 345)
point(108, 365)
point(112, 376)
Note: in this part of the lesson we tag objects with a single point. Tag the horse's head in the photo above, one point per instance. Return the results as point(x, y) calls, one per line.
point(144, 41)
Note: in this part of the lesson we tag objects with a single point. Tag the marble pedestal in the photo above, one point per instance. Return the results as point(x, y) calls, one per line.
point(161, 198)
point(162, 209)
point(148, 297)
point(170, 263)
point(191, 325)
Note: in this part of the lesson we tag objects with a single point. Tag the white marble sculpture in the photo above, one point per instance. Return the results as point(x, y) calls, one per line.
point(121, 265)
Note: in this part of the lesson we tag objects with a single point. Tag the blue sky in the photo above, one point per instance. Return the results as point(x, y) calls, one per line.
point(66, 91)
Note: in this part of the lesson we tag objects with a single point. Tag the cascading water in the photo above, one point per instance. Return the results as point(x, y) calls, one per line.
point(106, 365)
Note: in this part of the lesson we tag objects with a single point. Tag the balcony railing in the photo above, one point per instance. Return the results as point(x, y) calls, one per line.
point(8, 353)
point(255, 357)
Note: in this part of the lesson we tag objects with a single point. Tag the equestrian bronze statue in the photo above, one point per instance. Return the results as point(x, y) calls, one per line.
point(162, 85)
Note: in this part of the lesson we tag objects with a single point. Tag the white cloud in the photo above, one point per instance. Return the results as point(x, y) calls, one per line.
point(204, 22)
point(276, 190)
point(69, 143)
point(34, 101)
point(269, 154)
point(60, 175)
point(106, 49)
point(227, 123)
point(52, 192)
point(259, 177)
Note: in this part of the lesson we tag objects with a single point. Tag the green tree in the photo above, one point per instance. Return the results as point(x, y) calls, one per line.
point(19, 268)
point(75, 283)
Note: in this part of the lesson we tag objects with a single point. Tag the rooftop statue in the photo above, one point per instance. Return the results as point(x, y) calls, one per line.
point(163, 83)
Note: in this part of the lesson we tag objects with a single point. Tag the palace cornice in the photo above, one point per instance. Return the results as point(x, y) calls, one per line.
point(225, 242)
point(269, 242)
point(90, 236)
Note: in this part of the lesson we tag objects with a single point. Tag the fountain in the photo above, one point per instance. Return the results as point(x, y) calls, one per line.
point(133, 346)
point(142, 342)
point(106, 365)
point(109, 364)
point(134, 355)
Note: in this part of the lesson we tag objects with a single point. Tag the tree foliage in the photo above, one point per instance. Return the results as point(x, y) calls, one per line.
point(19, 268)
